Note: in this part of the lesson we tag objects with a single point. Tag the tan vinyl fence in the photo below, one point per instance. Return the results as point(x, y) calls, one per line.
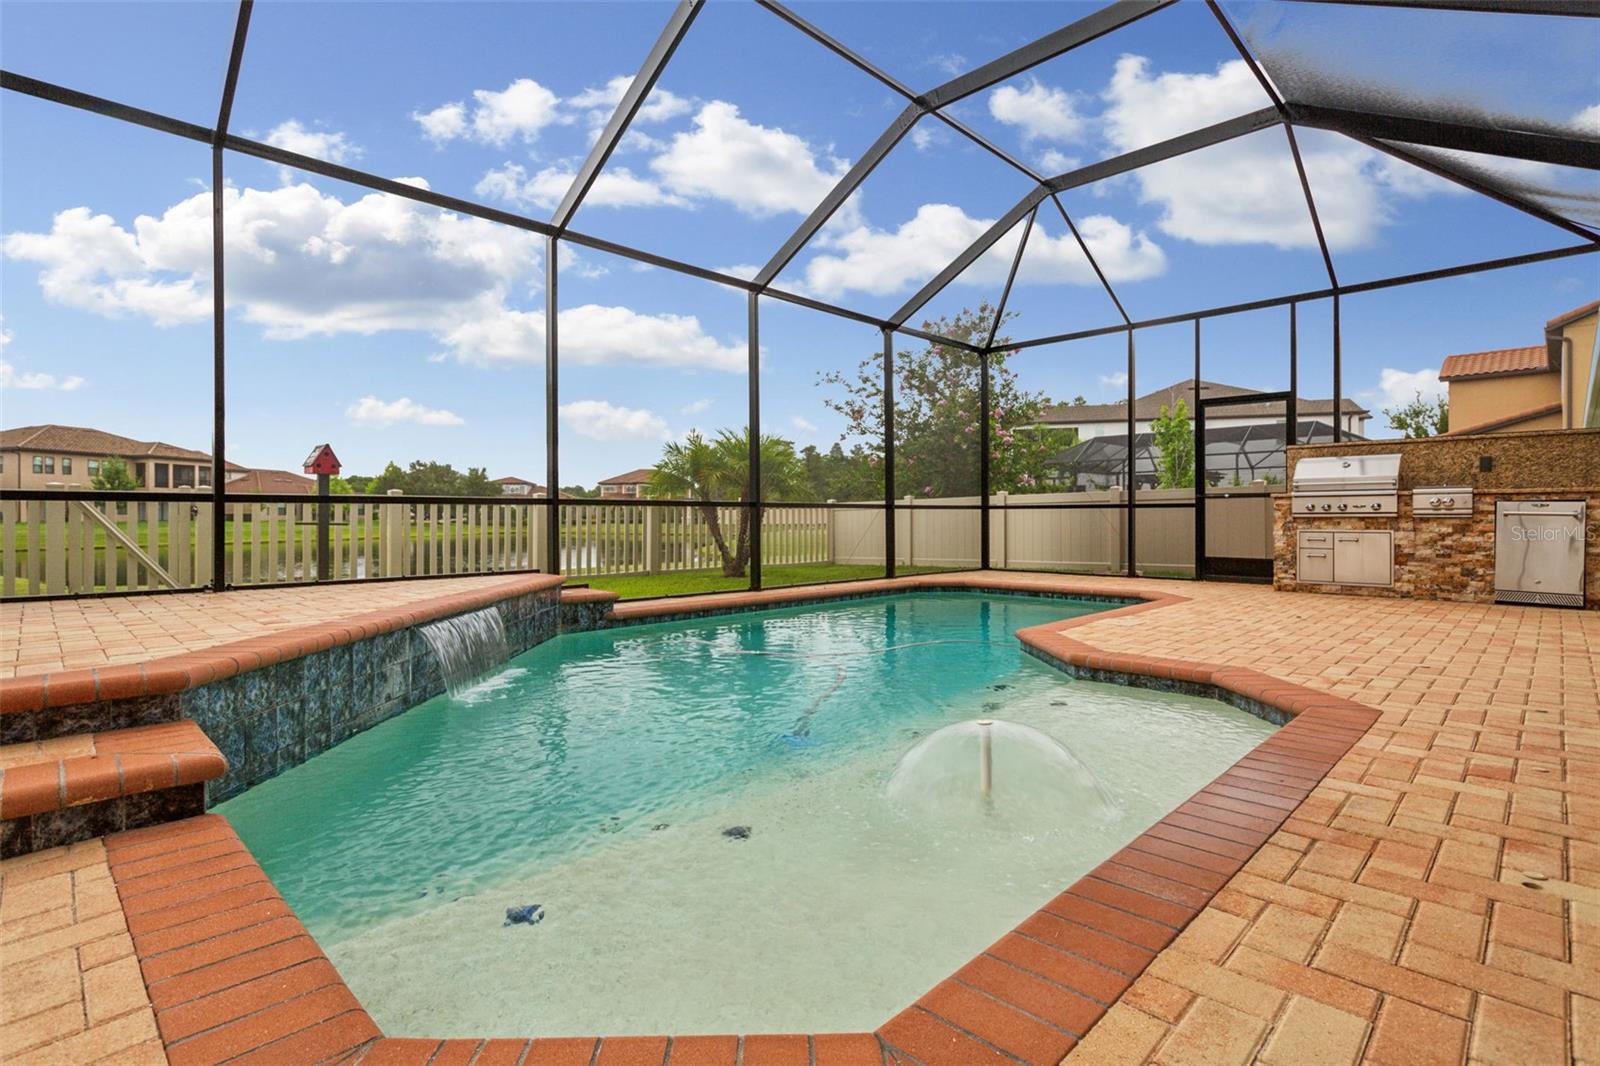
point(1087, 536)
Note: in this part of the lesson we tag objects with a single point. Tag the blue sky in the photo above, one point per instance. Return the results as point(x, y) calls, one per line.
point(399, 332)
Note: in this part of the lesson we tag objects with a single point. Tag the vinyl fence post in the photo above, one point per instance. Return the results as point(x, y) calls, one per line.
point(998, 538)
point(392, 536)
point(652, 539)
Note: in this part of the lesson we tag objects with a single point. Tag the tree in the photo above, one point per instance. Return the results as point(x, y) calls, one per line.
point(581, 492)
point(936, 414)
point(1174, 440)
point(428, 478)
point(708, 471)
point(1420, 417)
point(840, 475)
point(114, 476)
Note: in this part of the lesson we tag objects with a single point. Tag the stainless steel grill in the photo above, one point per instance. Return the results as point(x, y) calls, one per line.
point(1346, 485)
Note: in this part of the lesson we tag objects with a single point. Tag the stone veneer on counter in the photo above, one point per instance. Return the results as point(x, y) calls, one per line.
point(1452, 558)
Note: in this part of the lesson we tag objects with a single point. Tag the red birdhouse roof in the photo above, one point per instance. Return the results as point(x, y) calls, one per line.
point(322, 461)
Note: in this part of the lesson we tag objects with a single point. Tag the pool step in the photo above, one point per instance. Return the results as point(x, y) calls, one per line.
point(71, 788)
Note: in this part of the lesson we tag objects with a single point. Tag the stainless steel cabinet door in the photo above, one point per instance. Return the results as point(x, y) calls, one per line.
point(1363, 558)
point(1539, 546)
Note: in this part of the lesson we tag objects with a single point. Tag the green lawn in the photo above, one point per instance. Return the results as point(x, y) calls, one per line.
point(646, 586)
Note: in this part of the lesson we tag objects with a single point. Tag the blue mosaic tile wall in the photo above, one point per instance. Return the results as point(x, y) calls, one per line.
point(273, 719)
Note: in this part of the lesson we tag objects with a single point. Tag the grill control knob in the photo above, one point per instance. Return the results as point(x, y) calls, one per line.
point(1449, 501)
point(1344, 507)
point(1376, 506)
point(1311, 507)
point(1327, 507)
point(1435, 503)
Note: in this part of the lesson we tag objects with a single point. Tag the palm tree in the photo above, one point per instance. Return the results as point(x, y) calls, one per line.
point(706, 471)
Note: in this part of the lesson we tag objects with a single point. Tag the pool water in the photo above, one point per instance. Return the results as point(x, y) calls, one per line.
point(596, 775)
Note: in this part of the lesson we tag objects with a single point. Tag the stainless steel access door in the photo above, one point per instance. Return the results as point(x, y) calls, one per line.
point(1538, 552)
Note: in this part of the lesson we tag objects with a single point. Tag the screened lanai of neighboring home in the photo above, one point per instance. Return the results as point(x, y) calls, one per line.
point(565, 239)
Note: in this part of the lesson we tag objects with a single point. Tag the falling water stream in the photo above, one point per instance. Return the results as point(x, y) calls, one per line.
point(468, 646)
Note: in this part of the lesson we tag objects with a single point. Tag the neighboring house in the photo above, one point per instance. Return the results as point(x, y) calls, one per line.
point(270, 482)
point(34, 457)
point(1111, 419)
point(516, 486)
point(630, 486)
point(1554, 385)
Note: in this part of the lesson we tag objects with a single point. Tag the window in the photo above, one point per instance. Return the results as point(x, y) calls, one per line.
point(138, 473)
point(94, 468)
point(161, 475)
point(44, 464)
point(183, 477)
point(66, 464)
point(205, 476)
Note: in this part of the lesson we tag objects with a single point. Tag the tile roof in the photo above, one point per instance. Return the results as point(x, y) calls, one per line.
point(79, 440)
point(275, 482)
point(1573, 315)
point(1150, 404)
point(1533, 359)
point(632, 477)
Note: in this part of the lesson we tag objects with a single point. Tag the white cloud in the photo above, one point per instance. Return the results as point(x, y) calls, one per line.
point(802, 424)
point(600, 420)
point(519, 111)
point(1246, 191)
point(1399, 387)
point(1588, 120)
point(866, 259)
point(301, 262)
point(293, 136)
point(1040, 111)
point(371, 411)
point(760, 170)
point(594, 335)
point(599, 103)
point(616, 186)
point(1057, 162)
point(927, 135)
point(951, 63)
point(1119, 377)
point(696, 407)
point(444, 123)
point(12, 378)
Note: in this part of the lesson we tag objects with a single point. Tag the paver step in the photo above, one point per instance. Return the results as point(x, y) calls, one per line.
point(66, 789)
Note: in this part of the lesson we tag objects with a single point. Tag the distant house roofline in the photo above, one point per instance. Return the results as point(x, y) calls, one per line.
point(1572, 316)
point(1497, 362)
point(1149, 405)
point(633, 477)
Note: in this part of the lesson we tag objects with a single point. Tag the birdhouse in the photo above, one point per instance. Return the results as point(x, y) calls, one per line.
point(322, 461)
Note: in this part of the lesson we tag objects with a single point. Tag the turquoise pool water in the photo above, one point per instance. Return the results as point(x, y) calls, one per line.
point(595, 775)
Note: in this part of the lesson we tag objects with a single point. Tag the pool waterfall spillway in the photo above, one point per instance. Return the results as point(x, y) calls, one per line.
point(467, 646)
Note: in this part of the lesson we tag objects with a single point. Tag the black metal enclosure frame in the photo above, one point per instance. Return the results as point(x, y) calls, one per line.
point(1372, 128)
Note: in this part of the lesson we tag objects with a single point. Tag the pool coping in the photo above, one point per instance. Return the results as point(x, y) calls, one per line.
point(190, 669)
point(1028, 998)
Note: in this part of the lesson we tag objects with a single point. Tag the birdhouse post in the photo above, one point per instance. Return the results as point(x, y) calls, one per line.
point(323, 463)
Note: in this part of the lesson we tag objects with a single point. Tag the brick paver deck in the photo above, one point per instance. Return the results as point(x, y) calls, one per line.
point(38, 637)
point(1434, 898)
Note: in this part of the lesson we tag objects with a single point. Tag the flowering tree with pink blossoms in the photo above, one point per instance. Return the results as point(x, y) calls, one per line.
point(936, 415)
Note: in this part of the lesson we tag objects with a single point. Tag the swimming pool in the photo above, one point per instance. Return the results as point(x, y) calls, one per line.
point(599, 775)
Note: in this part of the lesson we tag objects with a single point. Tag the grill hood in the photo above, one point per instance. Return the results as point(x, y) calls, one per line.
point(1347, 474)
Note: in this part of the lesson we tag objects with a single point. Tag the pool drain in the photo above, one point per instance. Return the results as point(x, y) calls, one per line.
point(737, 832)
